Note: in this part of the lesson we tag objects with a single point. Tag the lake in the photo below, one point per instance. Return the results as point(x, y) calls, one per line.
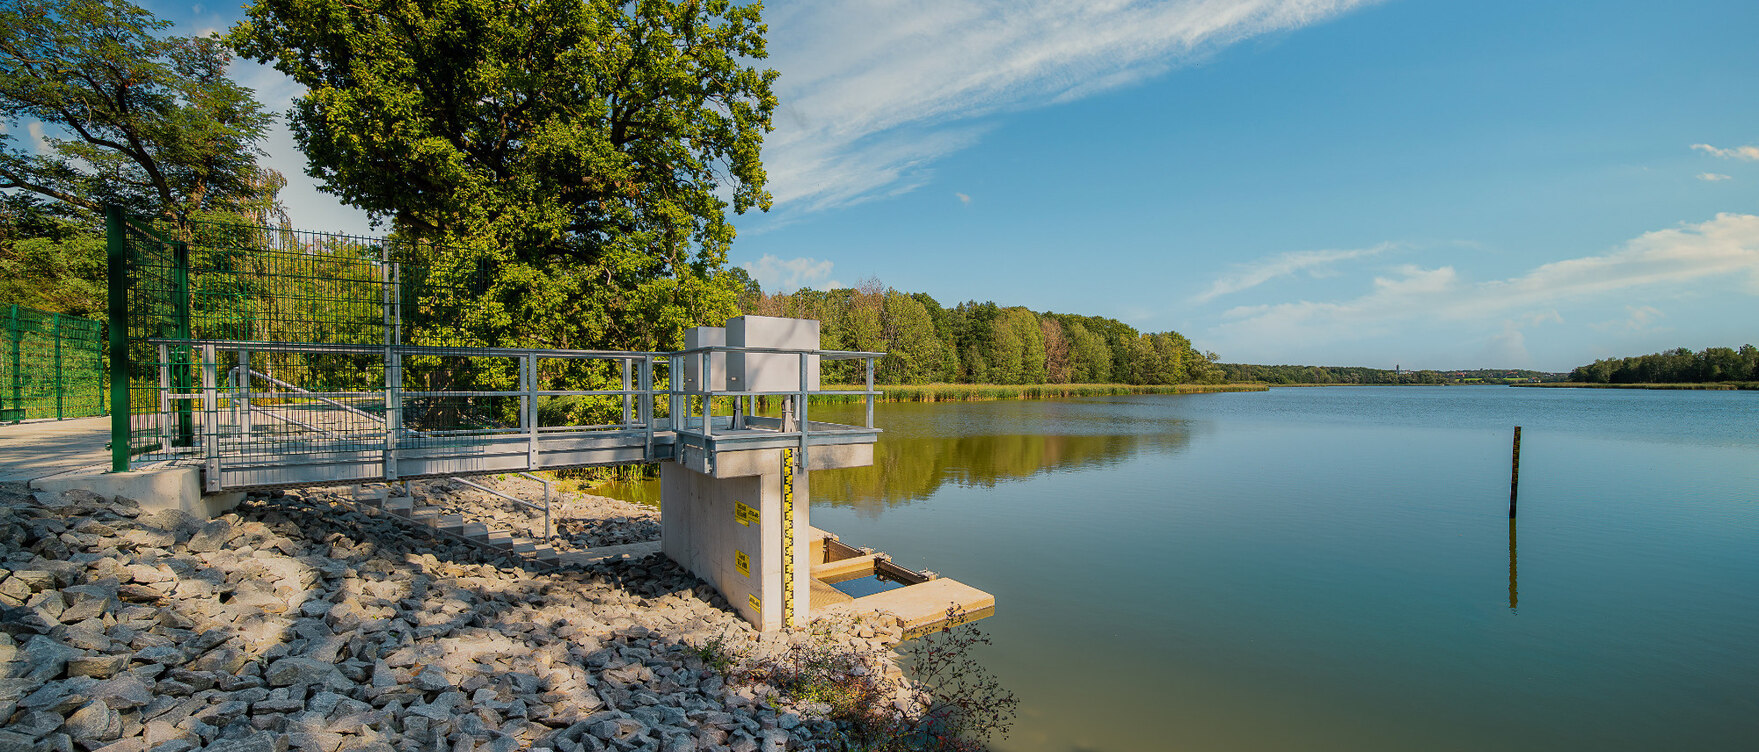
point(1334, 568)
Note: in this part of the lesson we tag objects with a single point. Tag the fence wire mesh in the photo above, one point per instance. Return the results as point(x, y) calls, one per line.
point(52, 366)
point(310, 301)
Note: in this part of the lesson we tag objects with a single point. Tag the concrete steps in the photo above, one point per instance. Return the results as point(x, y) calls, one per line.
point(381, 499)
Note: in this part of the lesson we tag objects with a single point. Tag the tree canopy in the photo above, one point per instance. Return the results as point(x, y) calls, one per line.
point(145, 122)
point(983, 343)
point(1676, 366)
point(584, 150)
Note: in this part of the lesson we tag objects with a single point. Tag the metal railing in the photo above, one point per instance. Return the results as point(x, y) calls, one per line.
point(239, 378)
point(363, 413)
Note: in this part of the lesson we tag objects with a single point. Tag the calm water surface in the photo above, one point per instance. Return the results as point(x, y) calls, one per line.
point(1334, 569)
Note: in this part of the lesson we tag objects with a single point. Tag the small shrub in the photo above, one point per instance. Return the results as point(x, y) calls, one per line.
point(952, 704)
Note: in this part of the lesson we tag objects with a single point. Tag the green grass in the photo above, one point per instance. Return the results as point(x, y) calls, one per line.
point(986, 392)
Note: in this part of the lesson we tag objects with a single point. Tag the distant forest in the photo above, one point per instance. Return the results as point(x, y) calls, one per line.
point(1239, 372)
point(1677, 366)
point(982, 343)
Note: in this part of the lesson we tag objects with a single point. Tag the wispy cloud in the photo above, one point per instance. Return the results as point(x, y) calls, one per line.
point(1712, 177)
point(307, 207)
point(1249, 275)
point(1724, 247)
point(1743, 153)
point(787, 275)
point(873, 92)
point(1638, 319)
point(964, 198)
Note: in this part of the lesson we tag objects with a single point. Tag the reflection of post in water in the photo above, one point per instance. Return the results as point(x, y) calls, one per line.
point(1514, 596)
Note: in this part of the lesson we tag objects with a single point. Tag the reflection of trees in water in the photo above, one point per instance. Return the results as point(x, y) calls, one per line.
point(913, 468)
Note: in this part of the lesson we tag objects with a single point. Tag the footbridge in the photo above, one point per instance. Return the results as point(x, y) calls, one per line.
point(228, 410)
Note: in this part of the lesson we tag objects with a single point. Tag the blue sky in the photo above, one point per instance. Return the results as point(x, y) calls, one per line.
point(1421, 183)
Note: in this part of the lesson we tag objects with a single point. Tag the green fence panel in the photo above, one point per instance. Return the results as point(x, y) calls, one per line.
point(51, 367)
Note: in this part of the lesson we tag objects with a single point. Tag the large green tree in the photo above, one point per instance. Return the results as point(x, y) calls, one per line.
point(586, 151)
point(128, 117)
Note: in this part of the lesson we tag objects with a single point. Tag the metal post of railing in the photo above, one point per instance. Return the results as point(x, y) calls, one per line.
point(242, 399)
point(708, 394)
point(674, 367)
point(624, 362)
point(647, 404)
point(393, 409)
point(55, 329)
point(211, 420)
point(528, 407)
point(800, 411)
point(869, 392)
point(165, 435)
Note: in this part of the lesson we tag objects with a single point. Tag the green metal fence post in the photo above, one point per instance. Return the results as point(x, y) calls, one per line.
point(55, 328)
point(13, 335)
point(117, 278)
point(183, 354)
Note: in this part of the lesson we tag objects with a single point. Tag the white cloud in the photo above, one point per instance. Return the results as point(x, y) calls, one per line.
point(38, 141)
point(1664, 260)
point(1639, 319)
point(787, 275)
point(963, 198)
point(1507, 349)
point(1712, 177)
point(874, 91)
point(1253, 274)
point(1744, 153)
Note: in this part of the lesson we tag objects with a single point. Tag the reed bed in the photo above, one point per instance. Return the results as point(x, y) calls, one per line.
point(1695, 386)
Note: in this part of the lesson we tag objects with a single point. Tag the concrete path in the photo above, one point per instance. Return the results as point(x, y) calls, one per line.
point(32, 450)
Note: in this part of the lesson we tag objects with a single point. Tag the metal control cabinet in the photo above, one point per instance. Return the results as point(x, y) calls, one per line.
point(771, 372)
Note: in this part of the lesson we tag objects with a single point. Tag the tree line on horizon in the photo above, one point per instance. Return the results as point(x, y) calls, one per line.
point(1676, 366)
point(981, 343)
point(1295, 374)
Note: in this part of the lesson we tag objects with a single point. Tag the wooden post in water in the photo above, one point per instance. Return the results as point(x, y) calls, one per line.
point(1514, 591)
point(1515, 473)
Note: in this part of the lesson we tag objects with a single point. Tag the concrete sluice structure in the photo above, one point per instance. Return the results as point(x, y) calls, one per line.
point(735, 489)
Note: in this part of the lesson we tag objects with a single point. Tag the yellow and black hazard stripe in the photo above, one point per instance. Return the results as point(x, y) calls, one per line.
point(787, 538)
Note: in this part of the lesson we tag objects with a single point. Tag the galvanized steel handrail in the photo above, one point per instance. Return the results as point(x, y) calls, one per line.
point(232, 378)
point(637, 374)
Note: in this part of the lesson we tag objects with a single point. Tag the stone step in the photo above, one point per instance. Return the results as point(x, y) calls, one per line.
point(545, 554)
point(474, 530)
point(425, 514)
point(402, 505)
point(449, 523)
point(372, 497)
point(500, 539)
point(524, 545)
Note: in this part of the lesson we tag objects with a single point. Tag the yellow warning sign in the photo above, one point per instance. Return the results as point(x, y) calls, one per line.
point(744, 513)
point(756, 605)
point(742, 562)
